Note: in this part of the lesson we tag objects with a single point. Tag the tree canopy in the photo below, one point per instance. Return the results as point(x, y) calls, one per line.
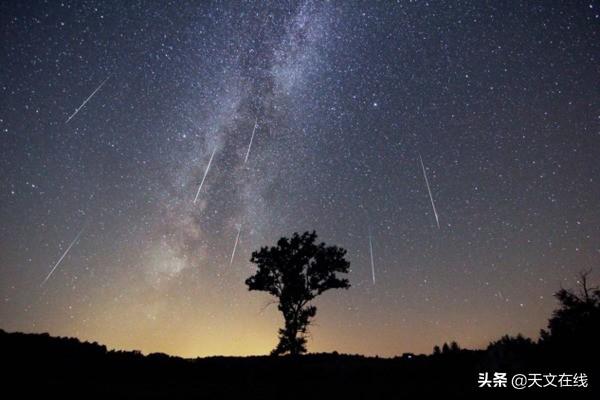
point(295, 271)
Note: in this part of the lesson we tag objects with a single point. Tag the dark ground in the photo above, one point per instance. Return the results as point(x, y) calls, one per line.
point(41, 364)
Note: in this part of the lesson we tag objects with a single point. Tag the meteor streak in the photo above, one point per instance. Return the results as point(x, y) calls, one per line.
point(437, 220)
point(86, 100)
point(237, 238)
point(63, 256)
point(205, 173)
point(371, 254)
point(251, 139)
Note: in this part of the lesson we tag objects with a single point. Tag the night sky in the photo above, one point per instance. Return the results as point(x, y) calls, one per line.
point(311, 115)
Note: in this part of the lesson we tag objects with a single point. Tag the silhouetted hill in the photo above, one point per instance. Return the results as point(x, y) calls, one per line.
point(39, 363)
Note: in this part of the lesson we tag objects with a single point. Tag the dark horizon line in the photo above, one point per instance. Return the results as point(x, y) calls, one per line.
point(406, 354)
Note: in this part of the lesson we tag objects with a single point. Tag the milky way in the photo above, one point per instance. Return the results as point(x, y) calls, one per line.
point(211, 129)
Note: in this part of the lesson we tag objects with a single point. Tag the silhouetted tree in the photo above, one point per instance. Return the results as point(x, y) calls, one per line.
point(454, 347)
point(513, 343)
point(295, 271)
point(445, 348)
point(575, 326)
point(511, 352)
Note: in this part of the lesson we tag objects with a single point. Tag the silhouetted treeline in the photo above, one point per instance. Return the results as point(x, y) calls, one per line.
point(39, 363)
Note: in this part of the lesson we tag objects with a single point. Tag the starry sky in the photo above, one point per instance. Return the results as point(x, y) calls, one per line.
point(295, 116)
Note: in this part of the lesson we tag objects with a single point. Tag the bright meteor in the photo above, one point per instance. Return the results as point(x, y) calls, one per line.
point(371, 255)
point(237, 239)
point(63, 256)
point(251, 139)
point(437, 220)
point(86, 100)
point(205, 173)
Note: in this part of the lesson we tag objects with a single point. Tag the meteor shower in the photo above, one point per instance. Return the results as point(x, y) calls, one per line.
point(299, 199)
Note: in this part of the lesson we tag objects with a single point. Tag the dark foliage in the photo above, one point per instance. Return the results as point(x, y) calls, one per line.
point(38, 364)
point(295, 271)
point(574, 328)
